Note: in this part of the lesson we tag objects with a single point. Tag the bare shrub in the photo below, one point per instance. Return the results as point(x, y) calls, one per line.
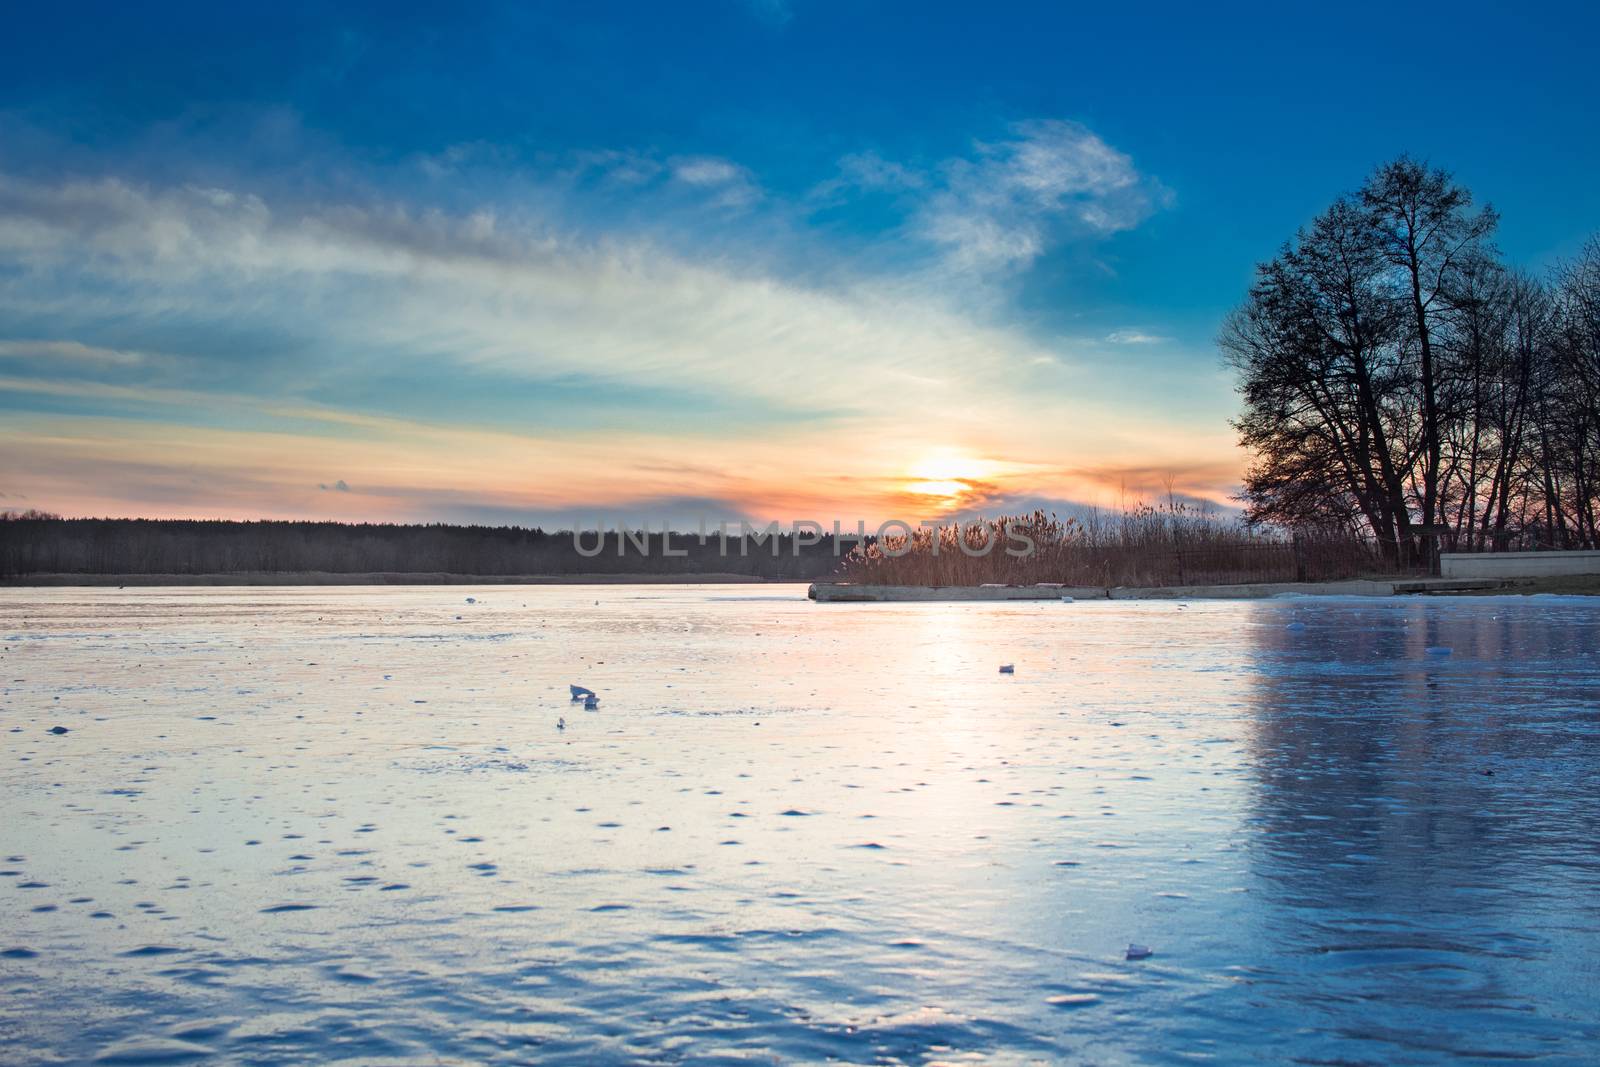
point(1174, 544)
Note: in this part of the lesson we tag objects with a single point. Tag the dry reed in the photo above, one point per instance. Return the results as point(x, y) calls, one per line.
point(1141, 546)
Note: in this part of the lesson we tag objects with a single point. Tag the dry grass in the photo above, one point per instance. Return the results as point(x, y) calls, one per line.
point(374, 578)
point(1142, 546)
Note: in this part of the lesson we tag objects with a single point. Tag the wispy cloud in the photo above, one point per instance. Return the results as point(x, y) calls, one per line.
point(1133, 337)
point(624, 168)
point(386, 288)
point(454, 159)
point(868, 172)
point(72, 352)
point(1004, 206)
point(991, 213)
point(276, 304)
point(720, 182)
point(730, 184)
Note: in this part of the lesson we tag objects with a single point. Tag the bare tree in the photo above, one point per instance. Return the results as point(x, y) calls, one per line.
point(1324, 381)
point(1420, 222)
point(1570, 406)
point(1394, 374)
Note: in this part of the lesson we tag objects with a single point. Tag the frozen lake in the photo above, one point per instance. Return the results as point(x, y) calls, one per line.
point(297, 824)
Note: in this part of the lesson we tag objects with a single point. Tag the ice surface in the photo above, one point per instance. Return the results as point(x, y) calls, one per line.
point(307, 825)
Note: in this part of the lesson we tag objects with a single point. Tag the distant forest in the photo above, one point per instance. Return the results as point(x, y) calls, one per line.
point(1401, 381)
point(32, 543)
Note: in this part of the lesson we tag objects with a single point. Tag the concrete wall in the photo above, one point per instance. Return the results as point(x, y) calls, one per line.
point(1517, 564)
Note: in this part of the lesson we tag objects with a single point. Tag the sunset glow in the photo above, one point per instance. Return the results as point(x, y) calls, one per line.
point(799, 532)
point(949, 478)
point(276, 298)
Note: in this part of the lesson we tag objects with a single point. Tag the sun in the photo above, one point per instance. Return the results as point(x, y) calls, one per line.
point(946, 475)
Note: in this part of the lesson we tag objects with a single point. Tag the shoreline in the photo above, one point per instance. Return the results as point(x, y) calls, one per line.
point(846, 593)
point(321, 578)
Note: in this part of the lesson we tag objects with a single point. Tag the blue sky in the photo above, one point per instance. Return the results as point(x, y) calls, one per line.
point(798, 259)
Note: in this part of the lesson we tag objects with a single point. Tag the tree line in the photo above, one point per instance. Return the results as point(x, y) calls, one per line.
point(1400, 379)
point(36, 543)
